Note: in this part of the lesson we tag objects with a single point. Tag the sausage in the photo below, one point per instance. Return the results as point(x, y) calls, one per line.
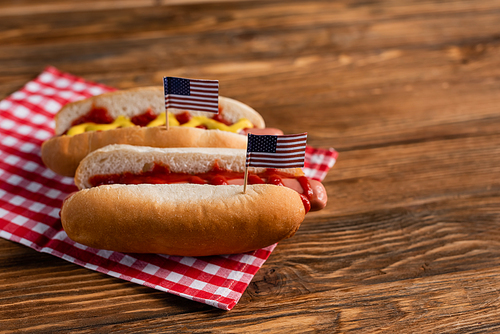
point(319, 197)
point(265, 131)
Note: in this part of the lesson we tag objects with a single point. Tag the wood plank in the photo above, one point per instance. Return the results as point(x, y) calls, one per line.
point(33, 7)
point(302, 34)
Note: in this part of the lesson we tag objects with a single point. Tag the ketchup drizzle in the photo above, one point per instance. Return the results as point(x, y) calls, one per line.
point(217, 176)
point(219, 118)
point(144, 119)
point(307, 192)
point(95, 115)
point(219, 180)
point(306, 186)
point(100, 115)
point(183, 117)
point(306, 201)
point(276, 180)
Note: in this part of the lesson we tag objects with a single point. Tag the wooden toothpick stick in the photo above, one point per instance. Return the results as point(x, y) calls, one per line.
point(166, 118)
point(245, 180)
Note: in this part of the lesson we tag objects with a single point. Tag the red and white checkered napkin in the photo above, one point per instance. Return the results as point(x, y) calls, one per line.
point(31, 196)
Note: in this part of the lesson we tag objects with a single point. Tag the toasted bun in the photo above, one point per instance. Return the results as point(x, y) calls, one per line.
point(62, 154)
point(118, 159)
point(135, 101)
point(182, 219)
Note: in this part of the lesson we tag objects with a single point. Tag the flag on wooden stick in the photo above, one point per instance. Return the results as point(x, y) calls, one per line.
point(191, 94)
point(268, 151)
point(286, 151)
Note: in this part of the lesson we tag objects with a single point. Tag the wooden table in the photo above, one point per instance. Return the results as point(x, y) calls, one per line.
point(407, 91)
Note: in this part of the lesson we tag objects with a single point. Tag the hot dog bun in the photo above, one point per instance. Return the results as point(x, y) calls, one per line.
point(182, 219)
point(118, 159)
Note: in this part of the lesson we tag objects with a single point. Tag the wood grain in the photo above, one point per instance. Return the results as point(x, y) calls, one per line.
point(407, 91)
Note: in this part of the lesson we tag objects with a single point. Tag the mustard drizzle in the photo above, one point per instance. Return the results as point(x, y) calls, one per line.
point(124, 122)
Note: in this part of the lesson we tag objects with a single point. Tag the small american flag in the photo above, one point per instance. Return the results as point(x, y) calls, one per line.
point(191, 94)
point(287, 151)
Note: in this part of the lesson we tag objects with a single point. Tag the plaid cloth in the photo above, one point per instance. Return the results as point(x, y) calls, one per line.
point(31, 196)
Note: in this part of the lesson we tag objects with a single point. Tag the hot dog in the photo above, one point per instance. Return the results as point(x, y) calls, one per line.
point(177, 218)
point(128, 164)
point(182, 219)
point(136, 117)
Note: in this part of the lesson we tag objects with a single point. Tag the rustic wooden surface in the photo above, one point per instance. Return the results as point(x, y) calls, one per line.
point(408, 92)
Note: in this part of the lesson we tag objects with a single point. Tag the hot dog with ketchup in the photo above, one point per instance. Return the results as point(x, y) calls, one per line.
point(153, 210)
point(136, 117)
point(126, 164)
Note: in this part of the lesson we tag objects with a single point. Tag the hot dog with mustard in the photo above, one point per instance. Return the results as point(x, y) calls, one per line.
point(136, 117)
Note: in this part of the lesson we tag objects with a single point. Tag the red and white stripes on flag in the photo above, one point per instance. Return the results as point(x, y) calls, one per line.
point(286, 151)
point(191, 94)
